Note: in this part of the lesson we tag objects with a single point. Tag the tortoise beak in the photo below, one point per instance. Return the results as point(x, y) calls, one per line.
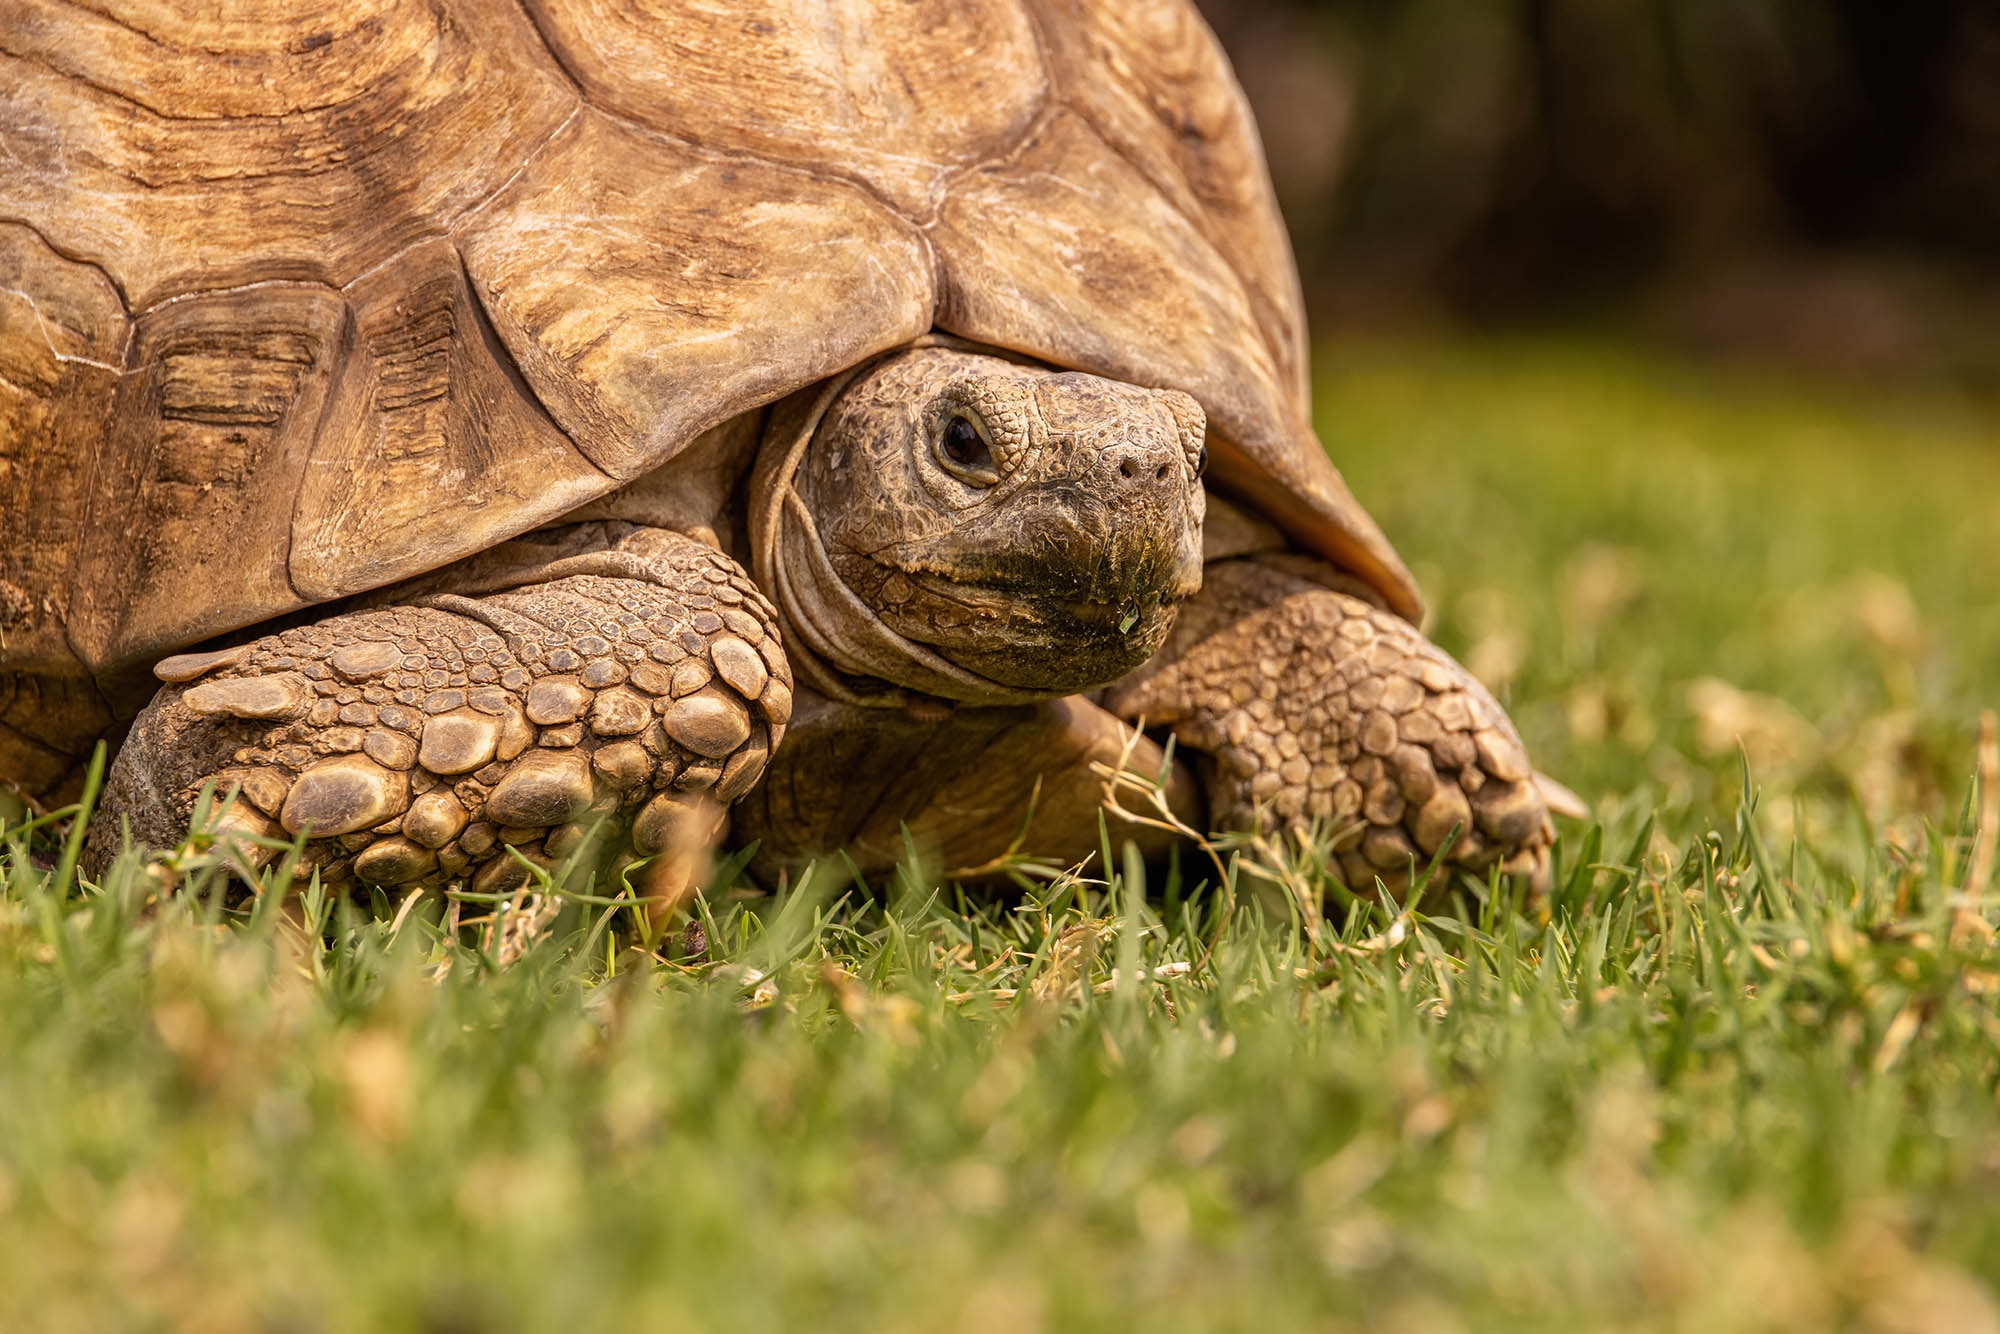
point(1066, 587)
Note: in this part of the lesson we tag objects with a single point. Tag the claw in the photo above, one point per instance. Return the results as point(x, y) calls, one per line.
point(281, 696)
point(184, 667)
point(1559, 799)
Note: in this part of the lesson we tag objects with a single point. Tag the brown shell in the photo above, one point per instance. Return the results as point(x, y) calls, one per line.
point(318, 296)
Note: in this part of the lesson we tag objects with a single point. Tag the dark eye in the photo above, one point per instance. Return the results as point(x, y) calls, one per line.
point(962, 446)
point(1201, 462)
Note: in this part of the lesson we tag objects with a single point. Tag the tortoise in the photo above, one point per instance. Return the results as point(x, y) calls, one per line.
point(498, 425)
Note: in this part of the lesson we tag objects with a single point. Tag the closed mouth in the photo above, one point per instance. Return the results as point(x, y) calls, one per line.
point(1034, 638)
point(1124, 615)
point(1121, 614)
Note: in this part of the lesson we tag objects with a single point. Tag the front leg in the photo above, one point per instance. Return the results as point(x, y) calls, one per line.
point(615, 689)
point(1312, 704)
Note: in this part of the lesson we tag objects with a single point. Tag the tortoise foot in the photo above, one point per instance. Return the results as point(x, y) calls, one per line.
point(1314, 705)
point(415, 745)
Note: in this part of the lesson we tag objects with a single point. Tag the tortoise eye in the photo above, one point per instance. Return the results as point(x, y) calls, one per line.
point(964, 450)
point(1201, 462)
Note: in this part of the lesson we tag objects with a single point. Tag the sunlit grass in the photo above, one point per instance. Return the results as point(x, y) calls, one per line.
point(1739, 1074)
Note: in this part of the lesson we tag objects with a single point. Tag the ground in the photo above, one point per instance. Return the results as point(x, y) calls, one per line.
point(1739, 1072)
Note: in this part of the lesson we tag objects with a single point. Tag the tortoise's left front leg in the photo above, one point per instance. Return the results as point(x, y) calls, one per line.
point(1313, 704)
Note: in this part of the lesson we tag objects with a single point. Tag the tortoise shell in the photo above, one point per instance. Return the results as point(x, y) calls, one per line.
point(314, 297)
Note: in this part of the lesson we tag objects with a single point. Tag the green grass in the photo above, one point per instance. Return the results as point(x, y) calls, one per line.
point(1740, 1078)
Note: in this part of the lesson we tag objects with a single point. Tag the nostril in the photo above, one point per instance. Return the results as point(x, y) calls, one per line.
point(1136, 465)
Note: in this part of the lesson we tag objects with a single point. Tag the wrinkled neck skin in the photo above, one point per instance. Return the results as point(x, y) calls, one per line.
point(968, 527)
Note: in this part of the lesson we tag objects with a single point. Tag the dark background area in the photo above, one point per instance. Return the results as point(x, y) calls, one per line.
point(1812, 182)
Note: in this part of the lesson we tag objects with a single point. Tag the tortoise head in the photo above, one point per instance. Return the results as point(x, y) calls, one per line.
point(985, 530)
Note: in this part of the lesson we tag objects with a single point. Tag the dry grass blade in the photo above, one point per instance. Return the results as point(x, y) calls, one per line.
point(670, 880)
point(520, 924)
point(1070, 959)
point(1968, 922)
point(1120, 778)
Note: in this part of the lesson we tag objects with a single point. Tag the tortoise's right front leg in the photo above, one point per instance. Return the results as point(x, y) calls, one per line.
point(414, 744)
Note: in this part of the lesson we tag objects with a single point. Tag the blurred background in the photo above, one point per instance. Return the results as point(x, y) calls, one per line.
point(1808, 182)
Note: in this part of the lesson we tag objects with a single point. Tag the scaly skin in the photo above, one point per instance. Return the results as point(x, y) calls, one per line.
point(416, 743)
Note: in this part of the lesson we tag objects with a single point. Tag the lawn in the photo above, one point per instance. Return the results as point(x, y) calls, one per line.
point(1738, 1073)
